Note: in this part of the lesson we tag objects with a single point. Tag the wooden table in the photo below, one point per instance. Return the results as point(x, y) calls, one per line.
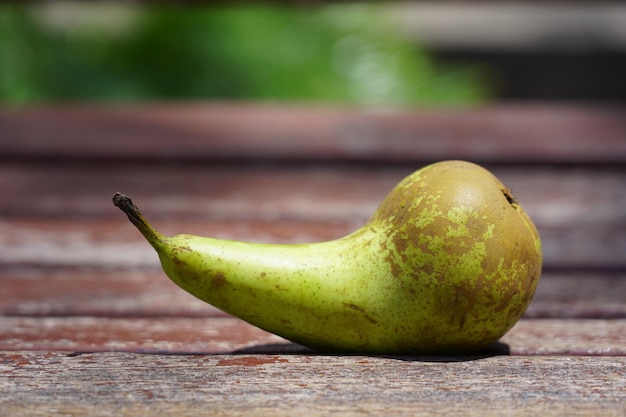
point(89, 325)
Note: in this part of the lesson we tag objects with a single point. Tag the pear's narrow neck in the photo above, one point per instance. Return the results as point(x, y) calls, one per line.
point(314, 259)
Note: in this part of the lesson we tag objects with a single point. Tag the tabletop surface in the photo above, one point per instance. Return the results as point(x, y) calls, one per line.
point(90, 325)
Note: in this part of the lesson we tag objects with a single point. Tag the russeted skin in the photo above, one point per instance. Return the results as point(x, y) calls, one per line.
point(448, 263)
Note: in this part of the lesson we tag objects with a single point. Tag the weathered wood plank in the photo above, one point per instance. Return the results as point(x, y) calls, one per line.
point(146, 292)
point(554, 196)
point(115, 243)
point(567, 337)
point(578, 211)
point(38, 292)
point(575, 207)
point(228, 334)
point(167, 335)
point(579, 295)
point(500, 133)
point(125, 384)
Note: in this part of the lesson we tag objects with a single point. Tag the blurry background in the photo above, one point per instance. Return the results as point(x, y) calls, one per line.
point(405, 53)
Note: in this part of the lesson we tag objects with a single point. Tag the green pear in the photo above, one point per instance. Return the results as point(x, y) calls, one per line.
point(447, 264)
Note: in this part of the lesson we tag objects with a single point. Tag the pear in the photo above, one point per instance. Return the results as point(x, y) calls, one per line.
point(446, 265)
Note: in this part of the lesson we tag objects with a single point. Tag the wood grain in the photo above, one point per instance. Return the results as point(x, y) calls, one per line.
point(107, 384)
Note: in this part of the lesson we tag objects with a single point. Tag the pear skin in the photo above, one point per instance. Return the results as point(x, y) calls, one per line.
point(447, 264)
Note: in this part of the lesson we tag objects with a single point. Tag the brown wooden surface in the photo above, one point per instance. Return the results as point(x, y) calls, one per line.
point(89, 325)
point(526, 133)
point(310, 385)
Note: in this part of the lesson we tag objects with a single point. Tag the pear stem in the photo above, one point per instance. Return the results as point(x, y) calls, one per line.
point(125, 204)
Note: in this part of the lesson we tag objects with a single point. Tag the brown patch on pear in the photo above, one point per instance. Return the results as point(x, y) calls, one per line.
point(471, 250)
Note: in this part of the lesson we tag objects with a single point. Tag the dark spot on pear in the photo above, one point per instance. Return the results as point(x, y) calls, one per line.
point(360, 310)
point(218, 280)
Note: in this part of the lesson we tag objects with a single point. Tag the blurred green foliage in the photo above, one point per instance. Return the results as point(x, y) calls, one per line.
point(337, 53)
